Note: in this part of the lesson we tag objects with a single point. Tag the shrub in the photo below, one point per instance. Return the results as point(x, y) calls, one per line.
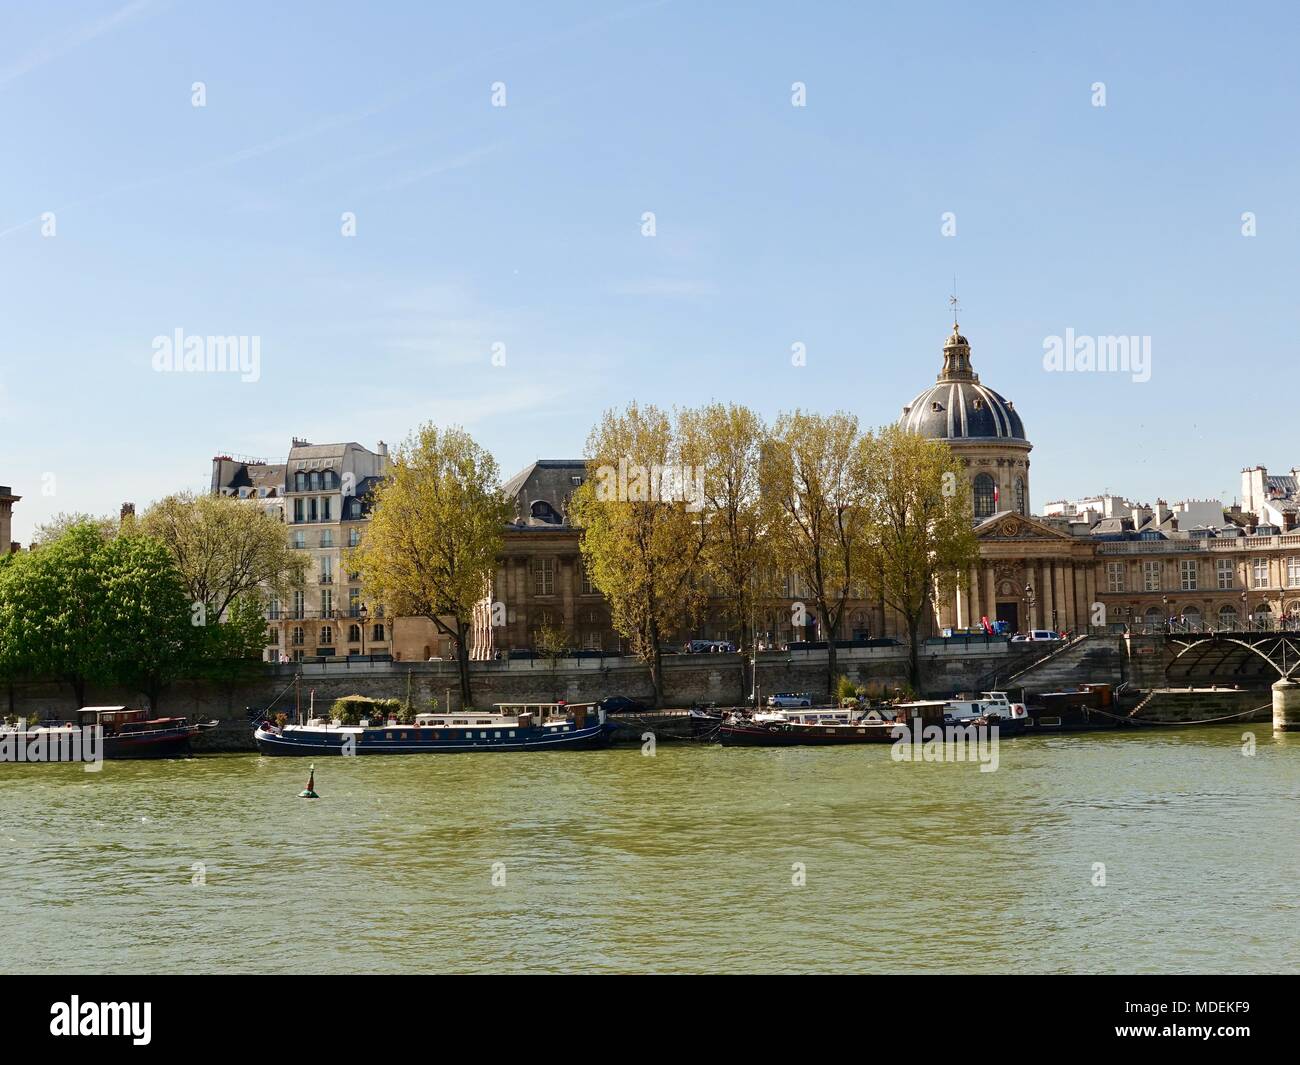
point(352, 709)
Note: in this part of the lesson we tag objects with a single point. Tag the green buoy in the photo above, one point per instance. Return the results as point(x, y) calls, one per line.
point(310, 791)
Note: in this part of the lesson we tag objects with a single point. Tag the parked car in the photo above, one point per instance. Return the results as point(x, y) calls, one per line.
point(1035, 636)
point(621, 704)
point(790, 699)
point(697, 647)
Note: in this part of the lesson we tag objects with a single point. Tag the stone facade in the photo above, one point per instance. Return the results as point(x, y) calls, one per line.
point(7, 501)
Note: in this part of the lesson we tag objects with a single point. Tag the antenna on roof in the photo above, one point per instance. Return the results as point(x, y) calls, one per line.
point(952, 301)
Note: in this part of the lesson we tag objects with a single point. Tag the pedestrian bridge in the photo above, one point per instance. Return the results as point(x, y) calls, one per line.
point(1239, 653)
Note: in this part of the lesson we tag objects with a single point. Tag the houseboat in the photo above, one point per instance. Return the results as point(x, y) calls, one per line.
point(821, 728)
point(1089, 707)
point(507, 727)
point(991, 708)
point(125, 732)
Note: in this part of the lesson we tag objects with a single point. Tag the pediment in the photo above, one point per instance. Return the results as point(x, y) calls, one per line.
point(1008, 525)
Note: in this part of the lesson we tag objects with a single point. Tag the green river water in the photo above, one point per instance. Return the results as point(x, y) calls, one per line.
point(682, 862)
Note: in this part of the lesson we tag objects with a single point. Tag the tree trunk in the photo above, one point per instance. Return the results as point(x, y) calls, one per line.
point(913, 655)
point(462, 662)
point(832, 663)
point(78, 689)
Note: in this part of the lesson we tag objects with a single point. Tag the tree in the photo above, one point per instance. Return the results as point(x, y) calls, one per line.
point(225, 548)
point(436, 528)
point(54, 614)
point(814, 478)
point(922, 533)
point(643, 532)
point(49, 531)
point(152, 638)
point(726, 443)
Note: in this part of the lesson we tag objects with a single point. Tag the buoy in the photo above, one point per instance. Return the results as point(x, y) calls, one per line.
point(310, 791)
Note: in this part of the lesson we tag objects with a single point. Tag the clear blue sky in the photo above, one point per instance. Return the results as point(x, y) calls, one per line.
point(522, 225)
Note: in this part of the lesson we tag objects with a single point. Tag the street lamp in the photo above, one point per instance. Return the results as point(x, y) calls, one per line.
point(1164, 599)
point(1029, 605)
point(1244, 623)
point(363, 614)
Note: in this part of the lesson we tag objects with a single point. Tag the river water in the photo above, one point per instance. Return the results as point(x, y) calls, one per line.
point(686, 861)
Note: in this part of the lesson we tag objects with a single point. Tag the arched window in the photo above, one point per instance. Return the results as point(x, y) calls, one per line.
point(1020, 496)
point(985, 496)
point(355, 507)
point(1227, 617)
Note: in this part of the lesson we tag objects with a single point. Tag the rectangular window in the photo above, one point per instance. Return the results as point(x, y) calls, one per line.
point(1151, 576)
point(325, 509)
point(354, 602)
point(327, 538)
point(326, 569)
point(1190, 569)
point(326, 602)
point(543, 576)
point(1293, 572)
point(298, 604)
point(1260, 572)
point(297, 510)
point(354, 538)
point(1223, 567)
point(311, 509)
point(1115, 577)
point(587, 587)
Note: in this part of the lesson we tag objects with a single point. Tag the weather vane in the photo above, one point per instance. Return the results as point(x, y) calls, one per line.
point(952, 301)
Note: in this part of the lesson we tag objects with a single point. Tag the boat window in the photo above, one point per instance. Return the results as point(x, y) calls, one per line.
point(482, 735)
point(469, 735)
point(388, 735)
point(496, 735)
point(512, 733)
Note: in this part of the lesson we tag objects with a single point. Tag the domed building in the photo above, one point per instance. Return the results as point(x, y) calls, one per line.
point(981, 427)
point(1030, 574)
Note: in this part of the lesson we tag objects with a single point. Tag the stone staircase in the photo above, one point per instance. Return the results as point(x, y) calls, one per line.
point(1082, 660)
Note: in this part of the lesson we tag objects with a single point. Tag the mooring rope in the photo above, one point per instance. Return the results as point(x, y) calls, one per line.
point(1203, 721)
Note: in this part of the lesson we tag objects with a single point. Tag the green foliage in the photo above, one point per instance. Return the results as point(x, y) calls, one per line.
point(91, 609)
point(845, 688)
point(352, 709)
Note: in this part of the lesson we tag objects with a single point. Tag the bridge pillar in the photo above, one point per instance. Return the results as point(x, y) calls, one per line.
point(1286, 706)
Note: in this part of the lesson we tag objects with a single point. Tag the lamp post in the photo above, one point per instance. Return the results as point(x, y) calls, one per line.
point(1029, 605)
point(363, 614)
point(1164, 599)
point(1244, 618)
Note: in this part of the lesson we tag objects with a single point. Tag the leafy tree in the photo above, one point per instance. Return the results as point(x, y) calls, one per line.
point(642, 542)
point(725, 442)
point(146, 615)
point(922, 534)
point(436, 528)
point(53, 610)
point(225, 548)
point(48, 532)
point(814, 478)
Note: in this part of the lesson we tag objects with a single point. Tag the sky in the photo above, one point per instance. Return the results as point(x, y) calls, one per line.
point(1083, 170)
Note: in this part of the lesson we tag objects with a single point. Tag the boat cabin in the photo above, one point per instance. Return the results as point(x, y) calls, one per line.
point(119, 720)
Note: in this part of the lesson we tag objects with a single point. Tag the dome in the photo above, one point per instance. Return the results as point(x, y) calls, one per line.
point(957, 406)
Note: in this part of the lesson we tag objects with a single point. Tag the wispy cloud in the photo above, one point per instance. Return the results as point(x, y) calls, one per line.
point(71, 38)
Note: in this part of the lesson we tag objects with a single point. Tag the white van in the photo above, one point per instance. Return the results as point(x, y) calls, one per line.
point(1035, 635)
